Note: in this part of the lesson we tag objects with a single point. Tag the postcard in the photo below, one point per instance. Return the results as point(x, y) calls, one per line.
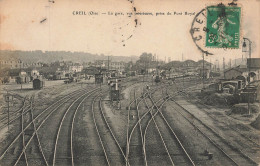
point(129, 82)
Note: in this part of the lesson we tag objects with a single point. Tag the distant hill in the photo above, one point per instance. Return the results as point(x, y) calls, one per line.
point(51, 56)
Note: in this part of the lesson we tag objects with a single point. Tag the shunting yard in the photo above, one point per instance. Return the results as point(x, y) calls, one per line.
point(147, 122)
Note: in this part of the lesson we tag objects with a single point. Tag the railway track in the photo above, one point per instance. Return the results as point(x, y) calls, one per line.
point(40, 119)
point(130, 107)
point(64, 159)
point(141, 134)
point(225, 125)
point(110, 130)
point(237, 157)
point(251, 143)
point(23, 137)
point(35, 130)
point(171, 129)
point(113, 152)
point(14, 116)
point(139, 122)
point(99, 136)
point(172, 147)
point(92, 148)
point(136, 103)
point(65, 132)
point(160, 134)
point(29, 156)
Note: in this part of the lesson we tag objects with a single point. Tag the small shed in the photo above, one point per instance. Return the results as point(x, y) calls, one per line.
point(235, 72)
point(37, 84)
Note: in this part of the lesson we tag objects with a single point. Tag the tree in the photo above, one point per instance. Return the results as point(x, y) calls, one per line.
point(144, 62)
point(146, 58)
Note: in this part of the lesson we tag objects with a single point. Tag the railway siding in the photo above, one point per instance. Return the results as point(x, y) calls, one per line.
point(232, 137)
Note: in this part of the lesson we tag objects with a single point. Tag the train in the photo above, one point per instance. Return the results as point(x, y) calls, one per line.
point(236, 87)
point(230, 86)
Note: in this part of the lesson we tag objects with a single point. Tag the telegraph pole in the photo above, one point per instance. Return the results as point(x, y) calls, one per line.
point(21, 74)
point(108, 63)
point(8, 111)
point(203, 69)
point(8, 98)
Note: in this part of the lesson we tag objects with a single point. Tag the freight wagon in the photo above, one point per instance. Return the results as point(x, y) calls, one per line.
point(38, 84)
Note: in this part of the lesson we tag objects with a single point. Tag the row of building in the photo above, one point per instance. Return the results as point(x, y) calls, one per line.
point(21, 72)
point(17, 64)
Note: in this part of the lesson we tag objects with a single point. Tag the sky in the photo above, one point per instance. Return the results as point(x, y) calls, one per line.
point(43, 25)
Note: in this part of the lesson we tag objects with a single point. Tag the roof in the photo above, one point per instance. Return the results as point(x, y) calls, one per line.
point(16, 72)
point(237, 68)
point(253, 62)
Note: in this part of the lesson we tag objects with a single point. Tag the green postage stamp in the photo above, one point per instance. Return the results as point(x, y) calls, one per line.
point(223, 27)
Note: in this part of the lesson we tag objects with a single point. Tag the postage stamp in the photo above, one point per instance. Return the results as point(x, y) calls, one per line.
point(223, 27)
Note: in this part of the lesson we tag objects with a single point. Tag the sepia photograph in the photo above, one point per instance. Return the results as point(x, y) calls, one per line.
point(129, 82)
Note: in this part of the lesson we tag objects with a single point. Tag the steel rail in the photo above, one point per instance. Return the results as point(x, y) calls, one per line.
point(140, 126)
point(38, 116)
point(111, 132)
point(243, 135)
point(23, 137)
point(176, 137)
point(215, 133)
point(134, 127)
point(61, 123)
point(145, 132)
point(72, 127)
point(212, 130)
point(37, 136)
point(43, 121)
point(138, 122)
point(94, 120)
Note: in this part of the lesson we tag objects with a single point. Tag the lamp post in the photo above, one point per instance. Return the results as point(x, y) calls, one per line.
point(8, 99)
point(245, 49)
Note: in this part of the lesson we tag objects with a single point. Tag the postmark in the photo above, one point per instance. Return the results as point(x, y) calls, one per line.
point(217, 27)
point(223, 26)
point(197, 31)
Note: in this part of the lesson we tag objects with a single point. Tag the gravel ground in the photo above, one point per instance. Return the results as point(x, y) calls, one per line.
point(89, 149)
point(53, 90)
